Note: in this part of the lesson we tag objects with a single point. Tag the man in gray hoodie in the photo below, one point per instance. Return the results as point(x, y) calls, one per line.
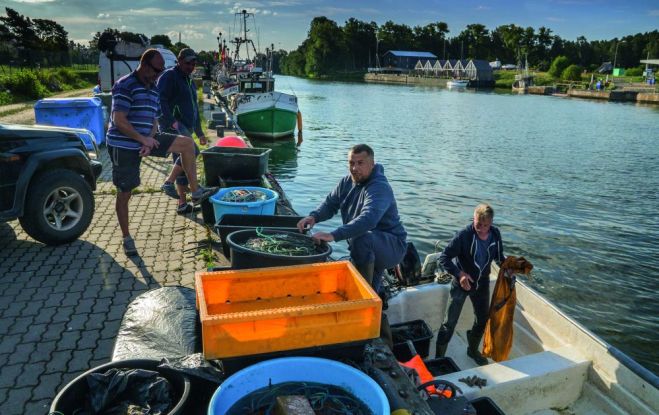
point(371, 225)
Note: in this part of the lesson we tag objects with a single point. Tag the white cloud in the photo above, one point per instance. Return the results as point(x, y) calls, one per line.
point(156, 12)
point(186, 35)
point(284, 3)
point(199, 2)
point(33, 1)
point(103, 16)
point(75, 20)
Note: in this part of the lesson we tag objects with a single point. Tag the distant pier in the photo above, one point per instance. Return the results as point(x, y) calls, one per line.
point(404, 79)
point(617, 96)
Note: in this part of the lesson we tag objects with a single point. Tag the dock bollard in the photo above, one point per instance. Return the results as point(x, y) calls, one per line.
point(220, 132)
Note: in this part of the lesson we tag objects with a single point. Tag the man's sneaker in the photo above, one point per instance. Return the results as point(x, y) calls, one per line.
point(186, 208)
point(202, 194)
point(170, 190)
point(129, 246)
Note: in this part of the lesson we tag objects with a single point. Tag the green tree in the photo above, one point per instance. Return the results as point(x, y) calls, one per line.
point(511, 36)
point(277, 57)
point(163, 40)
point(294, 63)
point(360, 42)
point(325, 48)
point(543, 42)
point(571, 73)
point(476, 40)
point(22, 31)
point(54, 41)
point(431, 37)
point(558, 66)
point(394, 36)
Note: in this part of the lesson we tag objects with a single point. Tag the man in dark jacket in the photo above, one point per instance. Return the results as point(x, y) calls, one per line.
point(468, 257)
point(180, 114)
point(371, 225)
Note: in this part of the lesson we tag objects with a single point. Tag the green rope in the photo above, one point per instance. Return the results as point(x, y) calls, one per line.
point(243, 196)
point(281, 244)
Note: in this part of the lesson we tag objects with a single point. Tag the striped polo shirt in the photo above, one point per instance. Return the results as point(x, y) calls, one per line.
point(141, 103)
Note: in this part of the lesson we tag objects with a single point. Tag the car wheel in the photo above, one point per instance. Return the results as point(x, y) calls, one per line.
point(58, 208)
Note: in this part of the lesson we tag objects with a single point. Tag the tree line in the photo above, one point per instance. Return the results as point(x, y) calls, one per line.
point(330, 48)
point(44, 42)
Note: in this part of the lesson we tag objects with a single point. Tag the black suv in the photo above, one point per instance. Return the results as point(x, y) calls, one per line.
point(47, 179)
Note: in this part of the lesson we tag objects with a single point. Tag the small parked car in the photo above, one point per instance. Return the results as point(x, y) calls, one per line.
point(47, 180)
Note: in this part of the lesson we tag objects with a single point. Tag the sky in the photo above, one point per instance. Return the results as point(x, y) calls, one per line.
point(285, 23)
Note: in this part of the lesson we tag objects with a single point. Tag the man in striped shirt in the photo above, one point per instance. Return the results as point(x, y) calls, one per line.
point(133, 134)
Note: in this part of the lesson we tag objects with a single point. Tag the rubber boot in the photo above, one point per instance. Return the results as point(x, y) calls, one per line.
point(440, 350)
point(366, 270)
point(385, 331)
point(472, 349)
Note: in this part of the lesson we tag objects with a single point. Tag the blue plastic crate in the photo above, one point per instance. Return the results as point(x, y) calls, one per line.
point(84, 113)
point(259, 207)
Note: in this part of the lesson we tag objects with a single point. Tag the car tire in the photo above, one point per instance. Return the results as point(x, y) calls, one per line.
point(58, 208)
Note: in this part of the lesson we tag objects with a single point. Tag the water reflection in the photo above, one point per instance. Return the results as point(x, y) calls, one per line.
point(283, 157)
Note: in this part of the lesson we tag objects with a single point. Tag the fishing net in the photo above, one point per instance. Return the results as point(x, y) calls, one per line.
point(244, 195)
point(285, 244)
point(324, 399)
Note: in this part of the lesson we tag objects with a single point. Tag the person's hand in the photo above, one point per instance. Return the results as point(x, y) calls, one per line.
point(306, 223)
point(202, 140)
point(144, 151)
point(175, 125)
point(319, 237)
point(465, 281)
point(150, 142)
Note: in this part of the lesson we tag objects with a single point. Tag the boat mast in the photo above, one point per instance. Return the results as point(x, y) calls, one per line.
point(240, 40)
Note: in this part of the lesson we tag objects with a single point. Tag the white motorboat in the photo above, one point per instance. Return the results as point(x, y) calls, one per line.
point(457, 83)
point(556, 365)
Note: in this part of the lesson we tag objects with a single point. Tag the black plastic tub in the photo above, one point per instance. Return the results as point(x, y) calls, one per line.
point(234, 163)
point(233, 222)
point(73, 396)
point(243, 258)
point(486, 406)
point(418, 332)
point(441, 366)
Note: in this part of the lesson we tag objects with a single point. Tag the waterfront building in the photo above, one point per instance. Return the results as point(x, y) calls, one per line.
point(405, 60)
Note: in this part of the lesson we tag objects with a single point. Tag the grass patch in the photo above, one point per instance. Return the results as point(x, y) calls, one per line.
point(207, 253)
point(14, 110)
point(28, 85)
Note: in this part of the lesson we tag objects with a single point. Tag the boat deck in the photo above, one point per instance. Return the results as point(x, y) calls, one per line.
point(555, 367)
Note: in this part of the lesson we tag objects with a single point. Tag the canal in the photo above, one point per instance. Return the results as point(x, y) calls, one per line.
point(574, 185)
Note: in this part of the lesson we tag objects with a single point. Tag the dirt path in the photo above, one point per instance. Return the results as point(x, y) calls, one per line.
point(23, 113)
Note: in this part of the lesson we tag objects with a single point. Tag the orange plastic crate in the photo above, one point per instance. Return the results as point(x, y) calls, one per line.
point(253, 311)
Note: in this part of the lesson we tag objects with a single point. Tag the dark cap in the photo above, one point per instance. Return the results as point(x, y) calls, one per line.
point(187, 55)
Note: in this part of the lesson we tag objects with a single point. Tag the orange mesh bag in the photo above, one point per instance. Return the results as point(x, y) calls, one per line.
point(498, 338)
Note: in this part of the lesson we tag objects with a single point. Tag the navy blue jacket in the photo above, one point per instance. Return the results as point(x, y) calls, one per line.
point(463, 248)
point(178, 101)
point(364, 207)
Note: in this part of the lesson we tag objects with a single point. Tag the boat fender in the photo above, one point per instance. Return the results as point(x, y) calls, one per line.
point(299, 129)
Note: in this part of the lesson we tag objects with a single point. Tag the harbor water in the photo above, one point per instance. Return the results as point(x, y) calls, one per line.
point(574, 185)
